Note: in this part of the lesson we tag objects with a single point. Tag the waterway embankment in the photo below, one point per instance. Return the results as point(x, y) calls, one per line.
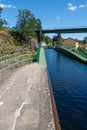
point(71, 54)
point(42, 61)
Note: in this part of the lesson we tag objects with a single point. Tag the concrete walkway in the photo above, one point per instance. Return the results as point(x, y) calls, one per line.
point(25, 102)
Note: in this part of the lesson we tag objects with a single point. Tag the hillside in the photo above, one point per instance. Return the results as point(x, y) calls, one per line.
point(9, 45)
point(5, 37)
point(13, 55)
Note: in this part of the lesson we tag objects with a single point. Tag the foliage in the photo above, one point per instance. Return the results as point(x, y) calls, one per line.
point(17, 36)
point(2, 21)
point(23, 34)
point(25, 27)
point(81, 51)
point(26, 24)
point(46, 39)
point(6, 38)
point(8, 49)
point(85, 39)
point(38, 27)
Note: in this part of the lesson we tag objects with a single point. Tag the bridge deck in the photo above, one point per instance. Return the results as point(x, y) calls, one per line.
point(25, 102)
point(65, 30)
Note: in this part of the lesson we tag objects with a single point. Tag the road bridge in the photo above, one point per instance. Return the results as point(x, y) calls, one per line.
point(62, 30)
point(66, 30)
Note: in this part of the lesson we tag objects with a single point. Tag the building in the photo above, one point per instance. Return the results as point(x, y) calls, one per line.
point(43, 44)
point(70, 43)
point(77, 45)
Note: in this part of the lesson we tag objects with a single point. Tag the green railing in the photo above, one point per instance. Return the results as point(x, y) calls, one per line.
point(72, 54)
point(41, 56)
point(15, 60)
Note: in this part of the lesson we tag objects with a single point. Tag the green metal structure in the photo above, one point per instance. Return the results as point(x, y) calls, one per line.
point(66, 30)
point(61, 30)
point(41, 56)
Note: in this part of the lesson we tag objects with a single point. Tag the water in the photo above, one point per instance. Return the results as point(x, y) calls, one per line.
point(69, 84)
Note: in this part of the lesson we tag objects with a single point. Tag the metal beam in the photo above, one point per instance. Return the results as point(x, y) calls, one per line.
point(66, 30)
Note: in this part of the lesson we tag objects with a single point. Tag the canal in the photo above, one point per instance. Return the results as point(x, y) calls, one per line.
point(69, 84)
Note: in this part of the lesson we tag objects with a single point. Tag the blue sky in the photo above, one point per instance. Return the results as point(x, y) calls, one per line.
point(53, 13)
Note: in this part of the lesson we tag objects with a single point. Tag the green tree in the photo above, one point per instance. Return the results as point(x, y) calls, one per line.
point(38, 25)
point(38, 28)
point(48, 40)
point(85, 39)
point(26, 25)
point(2, 21)
point(32, 24)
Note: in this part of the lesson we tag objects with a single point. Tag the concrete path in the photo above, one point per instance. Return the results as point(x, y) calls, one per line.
point(25, 102)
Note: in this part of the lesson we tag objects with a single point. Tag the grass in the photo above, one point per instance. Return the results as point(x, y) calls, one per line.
point(15, 59)
point(72, 54)
point(8, 49)
point(81, 52)
point(14, 53)
point(20, 54)
point(29, 60)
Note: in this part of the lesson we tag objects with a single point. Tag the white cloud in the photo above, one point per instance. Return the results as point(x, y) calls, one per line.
point(69, 4)
point(83, 6)
point(71, 7)
point(7, 6)
point(58, 17)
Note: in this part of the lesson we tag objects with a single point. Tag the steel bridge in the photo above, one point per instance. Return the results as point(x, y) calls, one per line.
point(66, 30)
point(62, 30)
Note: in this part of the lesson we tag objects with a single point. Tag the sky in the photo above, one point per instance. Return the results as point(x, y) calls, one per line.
point(52, 13)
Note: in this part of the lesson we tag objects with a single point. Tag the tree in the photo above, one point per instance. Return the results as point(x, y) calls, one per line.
point(48, 40)
point(85, 39)
point(32, 24)
point(38, 25)
point(38, 28)
point(26, 23)
point(2, 21)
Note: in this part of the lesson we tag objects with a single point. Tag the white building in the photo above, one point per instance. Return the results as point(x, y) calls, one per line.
point(43, 44)
point(77, 45)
